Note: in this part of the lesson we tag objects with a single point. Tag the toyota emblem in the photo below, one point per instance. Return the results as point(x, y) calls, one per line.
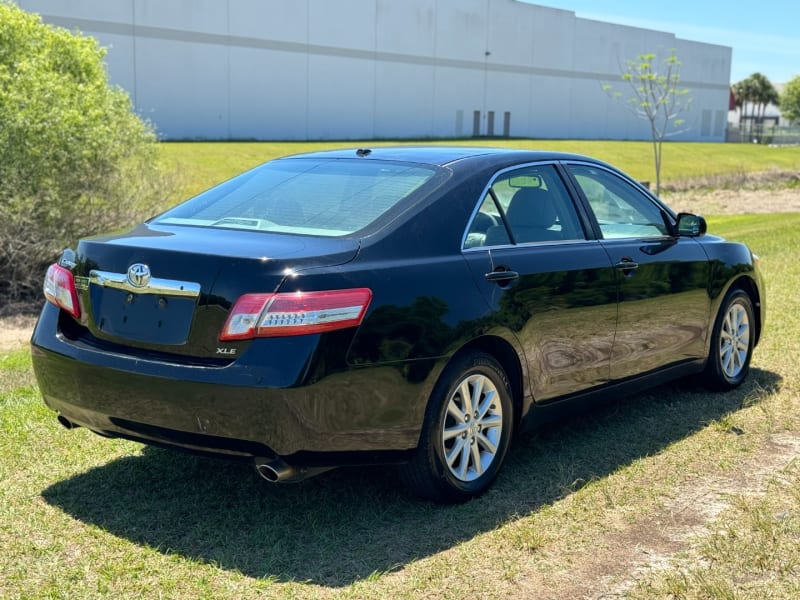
point(139, 275)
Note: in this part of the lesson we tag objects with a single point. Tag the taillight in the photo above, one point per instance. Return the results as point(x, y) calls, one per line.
point(59, 288)
point(297, 313)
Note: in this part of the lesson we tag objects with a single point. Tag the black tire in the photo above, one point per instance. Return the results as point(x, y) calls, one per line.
point(728, 359)
point(476, 446)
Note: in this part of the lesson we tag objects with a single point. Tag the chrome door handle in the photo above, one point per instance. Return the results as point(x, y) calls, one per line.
point(501, 276)
point(626, 264)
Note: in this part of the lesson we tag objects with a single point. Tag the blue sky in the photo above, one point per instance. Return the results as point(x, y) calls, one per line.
point(765, 36)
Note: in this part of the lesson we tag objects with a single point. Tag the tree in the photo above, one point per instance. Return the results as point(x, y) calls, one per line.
point(764, 94)
point(656, 96)
point(756, 92)
point(743, 94)
point(790, 100)
point(74, 158)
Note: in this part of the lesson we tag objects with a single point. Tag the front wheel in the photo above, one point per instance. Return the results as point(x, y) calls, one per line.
point(732, 342)
point(466, 433)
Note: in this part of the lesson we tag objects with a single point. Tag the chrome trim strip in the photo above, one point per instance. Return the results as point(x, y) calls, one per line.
point(166, 287)
point(548, 243)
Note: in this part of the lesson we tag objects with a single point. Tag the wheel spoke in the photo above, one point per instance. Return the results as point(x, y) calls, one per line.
point(487, 444)
point(742, 357)
point(454, 411)
point(456, 450)
point(477, 392)
point(484, 407)
point(726, 355)
point(740, 319)
point(458, 429)
point(491, 421)
point(476, 458)
point(466, 398)
point(727, 327)
point(462, 468)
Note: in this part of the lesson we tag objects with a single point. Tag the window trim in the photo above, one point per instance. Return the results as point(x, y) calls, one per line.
point(670, 218)
point(576, 201)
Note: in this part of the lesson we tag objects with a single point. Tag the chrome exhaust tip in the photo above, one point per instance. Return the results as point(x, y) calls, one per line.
point(275, 470)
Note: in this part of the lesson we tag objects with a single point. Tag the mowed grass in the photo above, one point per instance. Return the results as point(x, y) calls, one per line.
point(203, 164)
point(86, 517)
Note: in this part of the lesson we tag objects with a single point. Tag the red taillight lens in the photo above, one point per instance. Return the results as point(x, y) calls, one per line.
point(299, 313)
point(59, 288)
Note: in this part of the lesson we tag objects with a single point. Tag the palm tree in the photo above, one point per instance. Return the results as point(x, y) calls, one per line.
point(763, 94)
point(740, 97)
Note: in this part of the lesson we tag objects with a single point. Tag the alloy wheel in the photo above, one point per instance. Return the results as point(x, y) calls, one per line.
point(734, 340)
point(472, 428)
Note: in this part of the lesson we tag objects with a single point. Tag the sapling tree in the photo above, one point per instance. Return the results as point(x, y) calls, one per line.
point(655, 94)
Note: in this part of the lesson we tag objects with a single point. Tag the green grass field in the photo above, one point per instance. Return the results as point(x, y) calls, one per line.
point(202, 164)
point(87, 517)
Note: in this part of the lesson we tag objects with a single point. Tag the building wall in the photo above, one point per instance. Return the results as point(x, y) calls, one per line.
point(355, 69)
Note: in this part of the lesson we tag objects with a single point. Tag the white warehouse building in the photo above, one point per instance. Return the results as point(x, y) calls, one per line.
point(364, 69)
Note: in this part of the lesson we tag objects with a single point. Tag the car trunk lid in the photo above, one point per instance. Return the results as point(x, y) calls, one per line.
point(169, 288)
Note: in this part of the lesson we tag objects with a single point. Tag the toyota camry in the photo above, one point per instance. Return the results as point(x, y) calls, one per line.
point(408, 306)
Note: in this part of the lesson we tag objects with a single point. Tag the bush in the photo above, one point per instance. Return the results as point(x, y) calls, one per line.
point(74, 158)
point(790, 100)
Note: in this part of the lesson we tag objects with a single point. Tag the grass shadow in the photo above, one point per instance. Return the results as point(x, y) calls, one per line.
point(346, 525)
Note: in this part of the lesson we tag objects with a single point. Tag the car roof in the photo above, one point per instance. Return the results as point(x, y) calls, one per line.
point(442, 155)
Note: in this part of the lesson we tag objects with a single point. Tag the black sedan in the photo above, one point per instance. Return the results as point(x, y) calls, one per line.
point(416, 306)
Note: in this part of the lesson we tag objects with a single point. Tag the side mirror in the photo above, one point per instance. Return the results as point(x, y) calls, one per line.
point(690, 225)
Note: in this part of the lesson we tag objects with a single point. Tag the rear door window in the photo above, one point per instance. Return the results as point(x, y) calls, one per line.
point(525, 205)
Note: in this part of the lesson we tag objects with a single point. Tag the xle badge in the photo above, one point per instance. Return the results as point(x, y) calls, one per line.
point(228, 351)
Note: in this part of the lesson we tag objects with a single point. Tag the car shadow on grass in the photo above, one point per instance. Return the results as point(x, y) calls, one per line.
point(348, 524)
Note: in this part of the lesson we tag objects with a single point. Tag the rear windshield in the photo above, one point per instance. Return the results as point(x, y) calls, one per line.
point(324, 197)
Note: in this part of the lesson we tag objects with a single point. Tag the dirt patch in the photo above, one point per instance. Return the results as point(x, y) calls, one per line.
point(618, 559)
point(734, 202)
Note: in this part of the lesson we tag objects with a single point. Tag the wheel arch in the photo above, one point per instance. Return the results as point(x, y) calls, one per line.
point(510, 359)
point(428, 472)
point(749, 287)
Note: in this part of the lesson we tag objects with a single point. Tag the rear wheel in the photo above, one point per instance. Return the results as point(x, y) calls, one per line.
point(731, 342)
point(466, 433)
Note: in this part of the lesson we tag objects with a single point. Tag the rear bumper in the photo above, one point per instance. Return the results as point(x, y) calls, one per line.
point(235, 410)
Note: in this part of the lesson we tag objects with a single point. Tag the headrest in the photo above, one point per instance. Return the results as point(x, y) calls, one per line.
point(532, 207)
